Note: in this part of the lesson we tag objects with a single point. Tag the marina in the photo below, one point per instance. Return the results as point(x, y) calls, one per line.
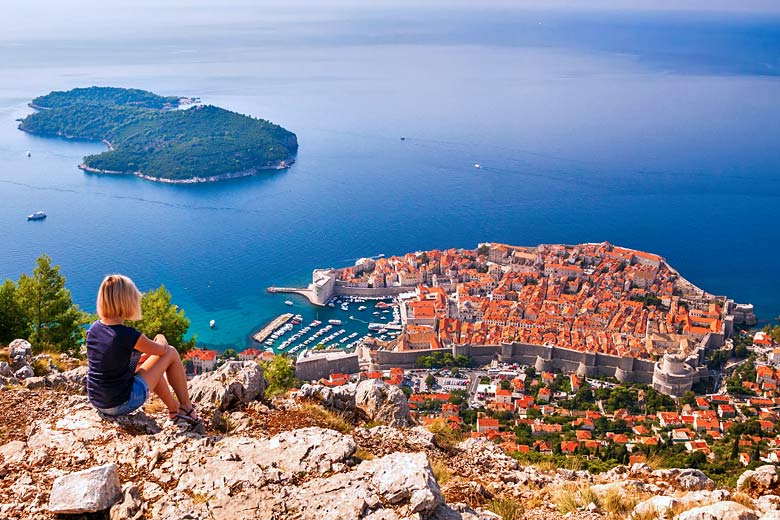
point(266, 331)
point(336, 329)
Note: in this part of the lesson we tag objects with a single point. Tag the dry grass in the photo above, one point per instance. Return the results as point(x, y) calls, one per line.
point(618, 503)
point(588, 496)
point(744, 499)
point(650, 514)
point(444, 435)
point(505, 507)
point(200, 498)
point(565, 499)
point(362, 454)
point(327, 418)
point(546, 466)
point(441, 471)
point(655, 462)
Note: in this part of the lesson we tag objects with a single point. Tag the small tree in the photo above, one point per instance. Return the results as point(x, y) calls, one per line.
point(53, 321)
point(160, 316)
point(430, 381)
point(12, 321)
point(279, 375)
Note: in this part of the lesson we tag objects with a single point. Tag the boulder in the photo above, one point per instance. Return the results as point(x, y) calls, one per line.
point(719, 511)
point(12, 452)
point(395, 486)
point(687, 479)
point(760, 481)
point(341, 398)
point(74, 380)
point(20, 353)
point(771, 515)
point(764, 503)
point(88, 491)
point(24, 372)
point(33, 383)
point(657, 505)
point(5, 370)
point(131, 507)
point(233, 384)
point(381, 402)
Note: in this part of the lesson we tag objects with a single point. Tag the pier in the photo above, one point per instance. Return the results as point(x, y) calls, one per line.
point(306, 293)
point(263, 334)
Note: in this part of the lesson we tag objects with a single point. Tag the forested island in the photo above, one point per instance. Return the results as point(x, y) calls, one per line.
point(148, 136)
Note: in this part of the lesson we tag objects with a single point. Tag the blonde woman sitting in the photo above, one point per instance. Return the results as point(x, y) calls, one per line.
point(124, 364)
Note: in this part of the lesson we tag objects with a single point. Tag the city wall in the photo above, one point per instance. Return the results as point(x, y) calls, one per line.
point(318, 366)
point(369, 292)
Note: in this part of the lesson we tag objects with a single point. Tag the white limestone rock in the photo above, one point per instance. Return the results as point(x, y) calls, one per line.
point(24, 373)
point(659, 505)
point(87, 491)
point(760, 480)
point(687, 479)
point(5, 370)
point(19, 353)
point(764, 503)
point(131, 507)
point(233, 384)
point(13, 452)
point(719, 511)
point(382, 402)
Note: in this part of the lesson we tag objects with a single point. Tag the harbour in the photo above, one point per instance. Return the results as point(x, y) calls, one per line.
point(294, 335)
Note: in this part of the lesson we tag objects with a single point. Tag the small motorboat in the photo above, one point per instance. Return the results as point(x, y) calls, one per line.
point(38, 215)
point(288, 302)
point(477, 166)
point(29, 153)
point(212, 323)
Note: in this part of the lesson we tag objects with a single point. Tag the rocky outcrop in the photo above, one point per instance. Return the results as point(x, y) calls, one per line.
point(145, 467)
point(234, 383)
point(88, 491)
point(371, 400)
point(382, 402)
point(763, 480)
point(719, 511)
point(19, 353)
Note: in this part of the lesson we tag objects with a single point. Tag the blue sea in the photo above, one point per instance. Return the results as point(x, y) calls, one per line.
point(657, 131)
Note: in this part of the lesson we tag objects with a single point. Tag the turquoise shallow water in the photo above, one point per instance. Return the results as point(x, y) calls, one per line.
point(658, 133)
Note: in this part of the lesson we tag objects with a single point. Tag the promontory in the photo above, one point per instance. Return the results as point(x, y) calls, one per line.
point(152, 137)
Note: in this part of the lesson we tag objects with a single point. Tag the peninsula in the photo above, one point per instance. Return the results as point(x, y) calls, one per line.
point(149, 136)
point(592, 309)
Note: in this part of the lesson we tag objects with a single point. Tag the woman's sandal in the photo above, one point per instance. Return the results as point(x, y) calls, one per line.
point(189, 416)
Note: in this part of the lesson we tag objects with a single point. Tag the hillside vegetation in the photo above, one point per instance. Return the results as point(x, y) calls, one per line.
point(149, 137)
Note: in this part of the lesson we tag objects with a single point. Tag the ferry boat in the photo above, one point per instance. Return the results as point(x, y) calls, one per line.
point(334, 322)
point(288, 302)
point(38, 215)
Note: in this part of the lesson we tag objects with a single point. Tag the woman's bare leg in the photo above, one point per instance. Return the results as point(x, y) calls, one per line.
point(157, 369)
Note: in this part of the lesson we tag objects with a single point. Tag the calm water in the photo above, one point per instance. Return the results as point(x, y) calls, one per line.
point(659, 133)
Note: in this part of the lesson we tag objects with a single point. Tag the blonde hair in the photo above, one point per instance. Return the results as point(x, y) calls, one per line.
point(118, 297)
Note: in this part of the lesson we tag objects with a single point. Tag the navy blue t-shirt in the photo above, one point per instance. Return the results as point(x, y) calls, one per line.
point(112, 360)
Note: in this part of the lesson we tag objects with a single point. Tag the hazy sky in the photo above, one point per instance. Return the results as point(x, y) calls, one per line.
point(83, 19)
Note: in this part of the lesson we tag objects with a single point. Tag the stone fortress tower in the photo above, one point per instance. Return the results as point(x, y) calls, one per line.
point(672, 375)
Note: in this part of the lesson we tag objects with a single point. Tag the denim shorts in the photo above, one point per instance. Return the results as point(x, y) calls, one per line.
point(138, 396)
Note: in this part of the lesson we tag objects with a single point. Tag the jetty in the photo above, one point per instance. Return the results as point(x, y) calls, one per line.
point(266, 331)
point(307, 293)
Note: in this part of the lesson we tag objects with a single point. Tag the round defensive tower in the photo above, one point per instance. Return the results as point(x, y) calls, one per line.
point(672, 375)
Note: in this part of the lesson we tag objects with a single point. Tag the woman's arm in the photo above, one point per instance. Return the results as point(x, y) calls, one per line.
point(150, 347)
